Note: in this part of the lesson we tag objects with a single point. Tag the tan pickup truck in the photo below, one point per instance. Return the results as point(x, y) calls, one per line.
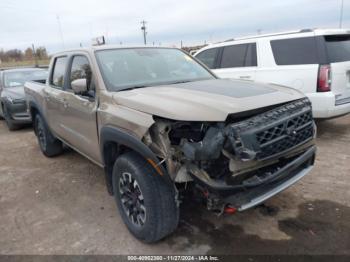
point(161, 125)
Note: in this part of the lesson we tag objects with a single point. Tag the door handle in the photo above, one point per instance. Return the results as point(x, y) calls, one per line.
point(245, 77)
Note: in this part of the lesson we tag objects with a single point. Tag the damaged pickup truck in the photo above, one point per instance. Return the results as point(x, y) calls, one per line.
point(161, 124)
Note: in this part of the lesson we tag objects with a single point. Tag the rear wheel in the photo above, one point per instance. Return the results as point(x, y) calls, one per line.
point(11, 126)
point(146, 203)
point(49, 145)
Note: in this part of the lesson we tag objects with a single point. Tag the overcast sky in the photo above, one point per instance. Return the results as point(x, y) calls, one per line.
point(24, 22)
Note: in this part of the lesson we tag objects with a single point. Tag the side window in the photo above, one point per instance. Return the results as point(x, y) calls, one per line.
point(234, 56)
point(80, 69)
point(295, 51)
point(251, 59)
point(59, 70)
point(208, 57)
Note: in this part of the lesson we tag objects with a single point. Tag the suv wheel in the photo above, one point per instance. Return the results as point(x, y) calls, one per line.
point(11, 126)
point(49, 145)
point(146, 203)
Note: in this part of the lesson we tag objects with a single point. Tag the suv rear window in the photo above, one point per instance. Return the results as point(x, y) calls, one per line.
point(338, 48)
point(295, 51)
point(239, 56)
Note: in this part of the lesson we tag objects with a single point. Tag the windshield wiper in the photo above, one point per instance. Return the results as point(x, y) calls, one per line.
point(133, 87)
point(166, 83)
point(181, 82)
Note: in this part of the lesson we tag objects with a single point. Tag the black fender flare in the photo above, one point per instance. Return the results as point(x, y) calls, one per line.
point(123, 138)
point(32, 105)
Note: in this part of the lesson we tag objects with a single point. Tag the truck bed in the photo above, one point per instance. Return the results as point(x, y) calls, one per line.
point(34, 93)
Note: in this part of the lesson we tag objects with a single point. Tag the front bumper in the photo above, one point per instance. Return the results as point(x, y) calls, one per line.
point(18, 113)
point(251, 193)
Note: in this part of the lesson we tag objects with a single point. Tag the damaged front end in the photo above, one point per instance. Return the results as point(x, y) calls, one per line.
point(240, 162)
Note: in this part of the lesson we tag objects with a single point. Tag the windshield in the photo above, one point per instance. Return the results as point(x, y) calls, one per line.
point(14, 79)
point(141, 67)
point(338, 48)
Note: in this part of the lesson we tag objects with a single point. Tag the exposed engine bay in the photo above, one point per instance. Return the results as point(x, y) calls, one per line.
point(226, 158)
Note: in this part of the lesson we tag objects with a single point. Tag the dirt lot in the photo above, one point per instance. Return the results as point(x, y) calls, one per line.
point(60, 206)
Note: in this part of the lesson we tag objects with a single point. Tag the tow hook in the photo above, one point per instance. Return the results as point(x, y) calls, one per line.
point(230, 210)
point(214, 204)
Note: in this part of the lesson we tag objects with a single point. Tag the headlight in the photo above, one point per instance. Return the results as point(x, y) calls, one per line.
point(15, 100)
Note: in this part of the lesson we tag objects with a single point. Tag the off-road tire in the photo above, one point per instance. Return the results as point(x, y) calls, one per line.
point(11, 126)
point(159, 198)
point(49, 145)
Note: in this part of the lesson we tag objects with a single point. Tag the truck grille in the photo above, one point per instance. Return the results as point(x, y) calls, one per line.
point(279, 139)
point(277, 130)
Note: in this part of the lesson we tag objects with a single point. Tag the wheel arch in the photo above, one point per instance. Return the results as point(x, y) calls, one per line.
point(114, 142)
point(34, 110)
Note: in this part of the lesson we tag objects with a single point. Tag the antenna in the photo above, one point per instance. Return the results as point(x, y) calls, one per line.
point(60, 30)
point(341, 14)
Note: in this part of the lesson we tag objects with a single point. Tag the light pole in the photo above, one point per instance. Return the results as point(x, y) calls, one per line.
point(143, 28)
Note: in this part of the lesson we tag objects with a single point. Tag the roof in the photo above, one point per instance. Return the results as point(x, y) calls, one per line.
point(109, 47)
point(316, 31)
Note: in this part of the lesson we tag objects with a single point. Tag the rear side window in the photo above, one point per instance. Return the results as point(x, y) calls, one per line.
point(338, 48)
point(239, 56)
point(295, 51)
point(208, 57)
point(80, 69)
point(58, 73)
point(251, 59)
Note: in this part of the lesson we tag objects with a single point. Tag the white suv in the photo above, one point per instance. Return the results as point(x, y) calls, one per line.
point(316, 62)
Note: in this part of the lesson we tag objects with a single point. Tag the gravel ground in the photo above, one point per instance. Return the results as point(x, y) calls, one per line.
point(61, 206)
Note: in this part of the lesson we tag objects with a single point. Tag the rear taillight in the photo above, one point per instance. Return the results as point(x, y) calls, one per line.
point(324, 78)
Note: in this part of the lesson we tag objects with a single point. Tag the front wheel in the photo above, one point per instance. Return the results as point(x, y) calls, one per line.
point(147, 203)
point(49, 145)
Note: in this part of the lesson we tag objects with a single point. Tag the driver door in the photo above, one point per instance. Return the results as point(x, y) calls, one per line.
point(80, 114)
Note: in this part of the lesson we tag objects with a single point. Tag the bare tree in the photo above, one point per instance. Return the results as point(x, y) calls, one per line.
point(28, 54)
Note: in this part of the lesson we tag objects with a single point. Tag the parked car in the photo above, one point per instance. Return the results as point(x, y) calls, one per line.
point(161, 124)
point(316, 62)
point(12, 99)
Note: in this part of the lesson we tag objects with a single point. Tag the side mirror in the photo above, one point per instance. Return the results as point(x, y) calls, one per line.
point(79, 86)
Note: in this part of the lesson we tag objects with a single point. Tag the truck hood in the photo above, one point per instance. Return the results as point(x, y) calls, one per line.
point(13, 92)
point(208, 100)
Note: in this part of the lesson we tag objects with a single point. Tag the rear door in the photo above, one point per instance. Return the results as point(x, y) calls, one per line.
point(338, 55)
point(238, 61)
point(54, 95)
point(79, 117)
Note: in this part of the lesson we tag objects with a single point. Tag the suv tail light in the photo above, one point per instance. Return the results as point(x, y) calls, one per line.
point(324, 78)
